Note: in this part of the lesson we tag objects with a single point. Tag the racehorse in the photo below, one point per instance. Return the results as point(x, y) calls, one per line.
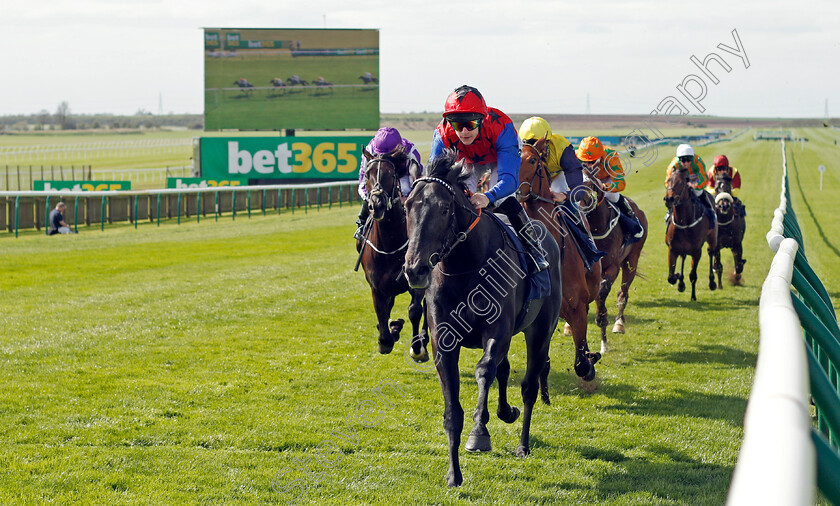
point(688, 228)
point(291, 81)
point(368, 79)
point(731, 226)
point(277, 82)
point(475, 292)
point(243, 83)
point(579, 286)
point(384, 253)
point(322, 82)
point(603, 217)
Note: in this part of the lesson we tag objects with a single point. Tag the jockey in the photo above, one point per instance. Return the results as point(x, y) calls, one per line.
point(605, 166)
point(722, 165)
point(386, 140)
point(698, 179)
point(485, 136)
point(566, 174)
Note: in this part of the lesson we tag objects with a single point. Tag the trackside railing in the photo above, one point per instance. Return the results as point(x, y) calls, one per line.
point(30, 209)
point(784, 454)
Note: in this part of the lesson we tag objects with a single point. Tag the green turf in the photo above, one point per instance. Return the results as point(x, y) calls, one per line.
point(196, 363)
point(290, 107)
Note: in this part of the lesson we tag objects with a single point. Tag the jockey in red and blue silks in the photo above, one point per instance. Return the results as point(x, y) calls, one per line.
point(485, 137)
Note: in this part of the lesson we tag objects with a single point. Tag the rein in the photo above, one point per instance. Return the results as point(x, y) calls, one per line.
point(615, 215)
point(458, 237)
point(377, 189)
point(541, 173)
point(681, 202)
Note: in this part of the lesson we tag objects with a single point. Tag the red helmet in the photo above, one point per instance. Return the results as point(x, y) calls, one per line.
point(465, 100)
point(721, 161)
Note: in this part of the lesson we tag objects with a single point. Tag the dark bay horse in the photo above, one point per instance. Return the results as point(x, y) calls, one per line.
point(731, 226)
point(475, 291)
point(603, 217)
point(579, 286)
point(688, 228)
point(384, 253)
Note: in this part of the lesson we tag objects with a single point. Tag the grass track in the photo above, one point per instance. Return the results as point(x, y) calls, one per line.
point(192, 363)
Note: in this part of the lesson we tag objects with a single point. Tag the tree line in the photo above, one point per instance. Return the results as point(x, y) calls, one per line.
point(64, 119)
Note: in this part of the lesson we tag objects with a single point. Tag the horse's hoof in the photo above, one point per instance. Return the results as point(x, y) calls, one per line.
point(419, 358)
point(454, 479)
point(395, 326)
point(385, 349)
point(672, 279)
point(512, 415)
point(590, 376)
point(545, 398)
point(522, 451)
point(618, 328)
point(478, 443)
point(584, 368)
point(681, 287)
point(712, 286)
point(567, 329)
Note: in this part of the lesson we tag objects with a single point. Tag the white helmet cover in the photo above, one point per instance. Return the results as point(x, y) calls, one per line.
point(684, 150)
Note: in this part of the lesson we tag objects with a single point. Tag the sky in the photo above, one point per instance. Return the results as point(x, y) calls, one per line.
point(526, 57)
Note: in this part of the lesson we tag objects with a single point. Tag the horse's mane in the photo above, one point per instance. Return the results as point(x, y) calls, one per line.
point(442, 166)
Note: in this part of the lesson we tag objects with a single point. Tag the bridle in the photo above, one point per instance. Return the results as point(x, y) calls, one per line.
point(679, 200)
point(394, 196)
point(613, 210)
point(541, 173)
point(453, 237)
point(391, 200)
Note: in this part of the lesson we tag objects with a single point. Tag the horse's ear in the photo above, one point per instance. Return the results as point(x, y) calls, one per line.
point(540, 144)
point(366, 154)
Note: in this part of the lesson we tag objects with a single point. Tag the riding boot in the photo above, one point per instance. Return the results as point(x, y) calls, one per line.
point(709, 202)
point(524, 228)
point(364, 213)
point(625, 206)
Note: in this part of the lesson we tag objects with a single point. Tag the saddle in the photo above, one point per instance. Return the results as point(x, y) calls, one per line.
point(539, 283)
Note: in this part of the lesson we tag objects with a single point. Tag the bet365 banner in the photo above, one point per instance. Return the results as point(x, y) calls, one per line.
point(244, 158)
point(81, 186)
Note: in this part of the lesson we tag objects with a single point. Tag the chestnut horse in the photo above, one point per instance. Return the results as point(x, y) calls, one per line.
point(688, 228)
point(475, 293)
point(603, 217)
point(384, 253)
point(579, 286)
point(731, 226)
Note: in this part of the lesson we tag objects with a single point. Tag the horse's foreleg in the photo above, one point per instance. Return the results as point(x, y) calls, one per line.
point(584, 359)
point(418, 351)
point(453, 414)
point(485, 374)
point(692, 276)
point(383, 304)
point(681, 284)
point(737, 256)
point(608, 276)
point(538, 340)
point(505, 412)
point(672, 265)
point(628, 274)
point(714, 260)
point(718, 268)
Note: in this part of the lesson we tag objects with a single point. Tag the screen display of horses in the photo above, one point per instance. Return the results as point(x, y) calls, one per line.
point(274, 79)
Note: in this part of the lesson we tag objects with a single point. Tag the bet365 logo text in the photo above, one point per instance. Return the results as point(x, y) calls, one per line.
point(293, 157)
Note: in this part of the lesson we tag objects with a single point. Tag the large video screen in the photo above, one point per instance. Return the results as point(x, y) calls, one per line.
point(274, 79)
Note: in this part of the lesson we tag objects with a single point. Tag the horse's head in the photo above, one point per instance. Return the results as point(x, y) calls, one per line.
point(531, 168)
point(435, 210)
point(677, 187)
point(382, 180)
point(723, 182)
point(724, 203)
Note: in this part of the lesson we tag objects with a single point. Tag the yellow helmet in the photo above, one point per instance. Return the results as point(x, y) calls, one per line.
point(534, 128)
